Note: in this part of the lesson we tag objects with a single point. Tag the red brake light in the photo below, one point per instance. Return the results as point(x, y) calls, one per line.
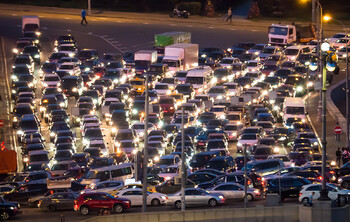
point(258, 178)
point(332, 172)
point(249, 182)
point(320, 177)
point(300, 194)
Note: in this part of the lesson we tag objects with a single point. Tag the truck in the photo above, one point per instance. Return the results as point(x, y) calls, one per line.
point(31, 23)
point(170, 38)
point(8, 161)
point(284, 35)
point(181, 56)
point(143, 59)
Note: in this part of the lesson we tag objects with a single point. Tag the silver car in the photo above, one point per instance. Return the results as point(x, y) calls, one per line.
point(235, 191)
point(196, 197)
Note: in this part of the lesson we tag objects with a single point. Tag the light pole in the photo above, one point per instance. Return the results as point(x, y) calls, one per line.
point(245, 175)
point(89, 7)
point(183, 167)
point(328, 18)
point(145, 151)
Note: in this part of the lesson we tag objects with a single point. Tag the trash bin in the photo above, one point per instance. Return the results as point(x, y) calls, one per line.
point(273, 199)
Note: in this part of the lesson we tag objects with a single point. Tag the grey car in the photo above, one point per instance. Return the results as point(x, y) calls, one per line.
point(58, 201)
point(196, 197)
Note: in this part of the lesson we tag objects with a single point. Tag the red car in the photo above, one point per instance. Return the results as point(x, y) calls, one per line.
point(168, 105)
point(96, 201)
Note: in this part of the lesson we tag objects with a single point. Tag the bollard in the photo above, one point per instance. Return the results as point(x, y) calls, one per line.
point(337, 137)
point(319, 113)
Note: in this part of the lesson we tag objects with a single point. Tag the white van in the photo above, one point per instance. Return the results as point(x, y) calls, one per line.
point(200, 78)
point(119, 172)
point(292, 52)
point(293, 107)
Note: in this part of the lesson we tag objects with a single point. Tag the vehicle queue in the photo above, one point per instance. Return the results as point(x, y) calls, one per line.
point(248, 96)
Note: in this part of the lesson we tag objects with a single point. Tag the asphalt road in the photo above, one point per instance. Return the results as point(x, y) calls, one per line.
point(109, 36)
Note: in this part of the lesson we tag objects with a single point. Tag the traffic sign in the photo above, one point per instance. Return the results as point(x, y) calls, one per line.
point(337, 130)
point(2, 123)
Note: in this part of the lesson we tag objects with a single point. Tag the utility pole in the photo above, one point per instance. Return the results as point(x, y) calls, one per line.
point(245, 176)
point(313, 18)
point(145, 151)
point(183, 166)
point(347, 90)
point(89, 7)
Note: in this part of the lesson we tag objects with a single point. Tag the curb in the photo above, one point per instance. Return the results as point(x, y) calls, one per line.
point(332, 108)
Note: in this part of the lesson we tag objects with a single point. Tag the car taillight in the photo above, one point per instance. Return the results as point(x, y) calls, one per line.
point(332, 172)
point(249, 182)
point(320, 177)
point(258, 178)
point(300, 194)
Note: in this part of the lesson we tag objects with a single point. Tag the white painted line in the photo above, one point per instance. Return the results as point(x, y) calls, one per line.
point(106, 40)
point(40, 16)
point(68, 30)
point(45, 28)
point(189, 25)
point(146, 23)
point(253, 30)
point(14, 14)
point(109, 39)
point(90, 33)
point(114, 42)
point(67, 18)
point(173, 25)
point(210, 27)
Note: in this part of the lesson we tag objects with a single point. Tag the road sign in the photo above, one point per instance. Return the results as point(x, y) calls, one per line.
point(2, 123)
point(337, 130)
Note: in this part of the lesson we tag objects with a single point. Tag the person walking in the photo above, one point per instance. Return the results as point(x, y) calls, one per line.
point(345, 156)
point(338, 155)
point(83, 16)
point(229, 13)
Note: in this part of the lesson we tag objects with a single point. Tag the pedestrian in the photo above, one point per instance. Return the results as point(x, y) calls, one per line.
point(311, 197)
point(63, 219)
point(229, 13)
point(345, 156)
point(338, 155)
point(83, 16)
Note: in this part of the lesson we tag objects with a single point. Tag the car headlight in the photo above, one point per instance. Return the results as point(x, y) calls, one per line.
point(221, 197)
point(15, 50)
point(344, 55)
point(282, 138)
point(20, 132)
point(13, 77)
point(36, 41)
point(52, 134)
point(156, 159)
point(42, 109)
point(315, 143)
point(239, 144)
point(134, 151)
point(224, 79)
point(164, 197)
point(25, 159)
point(310, 84)
point(15, 119)
point(115, 81)
point(293, 58)
point(86, 141)
point(299, 88)
point(14, 91)
point(219, 97)
point(31, 84)
point(142, 134)
point(222, 117)
point(134, 111)
point(71, 54)
point(276, 149)
point(54, 161)
point(87, 69)
point(38, 33)
point(62, 104)
point(75, 89)
point(234, 134)
point(114, 130)
point(272, 101)
point(45, 85)
point(256, 191)
point(78, 119)
point(36, 56)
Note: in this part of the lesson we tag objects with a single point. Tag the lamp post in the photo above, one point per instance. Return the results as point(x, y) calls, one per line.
point(89, 7)
point(245, 175)
point(328, 18)
point(183, 167)
point(145, 150)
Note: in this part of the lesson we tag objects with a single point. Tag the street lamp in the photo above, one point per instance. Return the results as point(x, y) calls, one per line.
point(329, 18)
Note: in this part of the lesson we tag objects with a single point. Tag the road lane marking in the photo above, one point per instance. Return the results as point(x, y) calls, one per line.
point(253, 30)
point(146, 23)
point(173, 25)
point(45, 28)
point(90, 33)
point(210, 27)
point(67, 18)
point(14, 14)
point(106, 40)
point(189, 25)
point(68, 30)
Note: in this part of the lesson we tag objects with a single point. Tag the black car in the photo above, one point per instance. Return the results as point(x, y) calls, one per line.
point(22, 193)
point(170, 187)
point(222, 163)
point(72, 85)
point(200, 160)
point(7, 209)
point(289, 186)
point(232, 177)
point(202, 177)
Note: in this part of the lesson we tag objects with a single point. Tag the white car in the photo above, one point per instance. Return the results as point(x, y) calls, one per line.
point(235, 191)
point(51, 80)
point(335, 37)
point(233, 131)
point(219, 111)
point(228, 61)
point(233, 89)
point(249, 139)
point(70, 49)
point(308, 135)
point(70, 67)
point(140, 129)
point(218, 94)
point(333, 192)
point(342, 53)
point(340, 43)
point(254, 65)
point(170, 172)
point(104, 186)
point(162, 89)
point(135, 196)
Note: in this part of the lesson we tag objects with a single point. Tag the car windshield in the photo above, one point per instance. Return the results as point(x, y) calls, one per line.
point(217, 164)
point(195, 80)
point(268, 51)
point(248, 137)
point(295, 110)
point(38, 158)
point(66, 67)
point(161, 86)
point(93, 174)
point(263, 151)
point(51, 78)
point(217, 90)
point(226, 61)
point(291, 51)
point(278, 30)
point(66, 48)
point(60, 167)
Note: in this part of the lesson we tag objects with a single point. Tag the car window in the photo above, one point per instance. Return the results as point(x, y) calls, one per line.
point(231, 179)
point(128, 193)
point(330, 189)
point(298, 183)
point(102, 197)
point(314, 188)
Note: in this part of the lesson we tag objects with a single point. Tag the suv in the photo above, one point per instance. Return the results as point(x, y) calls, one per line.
point(264, 167)
point(96, 201)
point(290, 186)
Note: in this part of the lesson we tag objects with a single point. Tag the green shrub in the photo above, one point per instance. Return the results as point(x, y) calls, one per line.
point(194, 8)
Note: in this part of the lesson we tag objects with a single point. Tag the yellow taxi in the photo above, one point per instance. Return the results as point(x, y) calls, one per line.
point(138, 85)
point(132, 186)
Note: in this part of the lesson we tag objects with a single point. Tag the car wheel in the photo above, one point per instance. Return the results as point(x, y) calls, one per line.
point(213, 203)
point(178, 204)
point(118, 208)
point(250, 197)
point(305, 200)
point(155, 202)
point(51, 208)
point(4, 215)
point(84, 210)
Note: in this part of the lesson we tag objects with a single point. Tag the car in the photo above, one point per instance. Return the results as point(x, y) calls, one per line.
point(135, 196)
point(201, 177)
point(96, 201)
point(235, 191)
point(247, 139)
point(333, 192)
point(289, 186)
point(7, 209)
point(191, 197)
point(58, 201)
